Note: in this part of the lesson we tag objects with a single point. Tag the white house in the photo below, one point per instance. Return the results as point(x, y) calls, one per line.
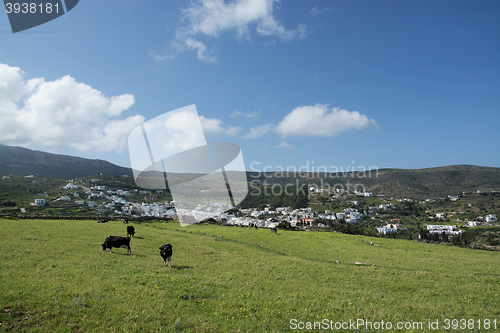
point(368, 194)
point(91, 204)
point(39, 202)
point(65, 198)
point(472, 223)
point(441, 215)
point(491, 218)
point(353, 217)
point(386, 207)
point(392, 227)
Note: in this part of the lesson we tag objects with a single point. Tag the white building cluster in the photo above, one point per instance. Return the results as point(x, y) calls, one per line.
point(447, 229)
point(71, 186)
point(390, 227)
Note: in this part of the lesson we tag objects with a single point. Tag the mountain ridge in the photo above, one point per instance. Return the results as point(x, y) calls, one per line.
point(24, 161)
point(392, 182)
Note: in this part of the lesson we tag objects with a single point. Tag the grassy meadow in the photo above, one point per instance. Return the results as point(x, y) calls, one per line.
point(55, 277)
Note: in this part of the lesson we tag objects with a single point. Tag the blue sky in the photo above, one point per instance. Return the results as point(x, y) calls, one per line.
point(400, 84)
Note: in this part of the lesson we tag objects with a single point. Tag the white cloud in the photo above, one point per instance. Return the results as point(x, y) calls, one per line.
point(316, 11)
point(213, 17)
point(62, 113)
point(284, 144)
point(257, 132)
point(318, 120)
point(249, 115)
point(201, 49)
point(215, 126)
point(236, 114)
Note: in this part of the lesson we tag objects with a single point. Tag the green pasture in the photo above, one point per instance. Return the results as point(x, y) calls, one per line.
point(55, 277)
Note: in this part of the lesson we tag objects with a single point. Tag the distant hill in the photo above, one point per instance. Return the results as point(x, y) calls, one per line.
point(396, 183)
point(23, 161)
point(400, 183)
point(434, 182)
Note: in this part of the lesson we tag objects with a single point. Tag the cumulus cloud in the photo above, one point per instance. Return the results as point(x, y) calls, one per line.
point(213, 17)
point(215, 126)
point(249, 115)
point(257, 132)
point(319, 120)
point(62, 113)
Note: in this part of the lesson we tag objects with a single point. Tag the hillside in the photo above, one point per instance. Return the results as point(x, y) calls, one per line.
point(23, 161)
point(400, 183)
point(397, 183)
point(433, 182)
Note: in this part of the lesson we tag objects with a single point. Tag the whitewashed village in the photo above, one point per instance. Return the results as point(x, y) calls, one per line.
point(126, 204)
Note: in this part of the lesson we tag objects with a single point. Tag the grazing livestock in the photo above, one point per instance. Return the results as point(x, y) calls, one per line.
point(274, 230)
point(166, 254)
point(130, 231)
point(116, 241)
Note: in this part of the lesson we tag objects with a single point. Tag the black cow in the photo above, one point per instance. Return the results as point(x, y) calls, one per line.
point(274, 230)
point(116, 241)
point(166, 253)
point(130, 230)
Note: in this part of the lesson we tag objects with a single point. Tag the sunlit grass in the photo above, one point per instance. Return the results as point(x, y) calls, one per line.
point(55, 277)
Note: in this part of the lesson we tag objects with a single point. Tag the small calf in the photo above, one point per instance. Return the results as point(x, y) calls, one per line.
point(130, 231)
point(166, 254)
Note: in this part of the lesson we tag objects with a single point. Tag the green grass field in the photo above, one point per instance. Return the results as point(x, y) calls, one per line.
point(55, 277)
